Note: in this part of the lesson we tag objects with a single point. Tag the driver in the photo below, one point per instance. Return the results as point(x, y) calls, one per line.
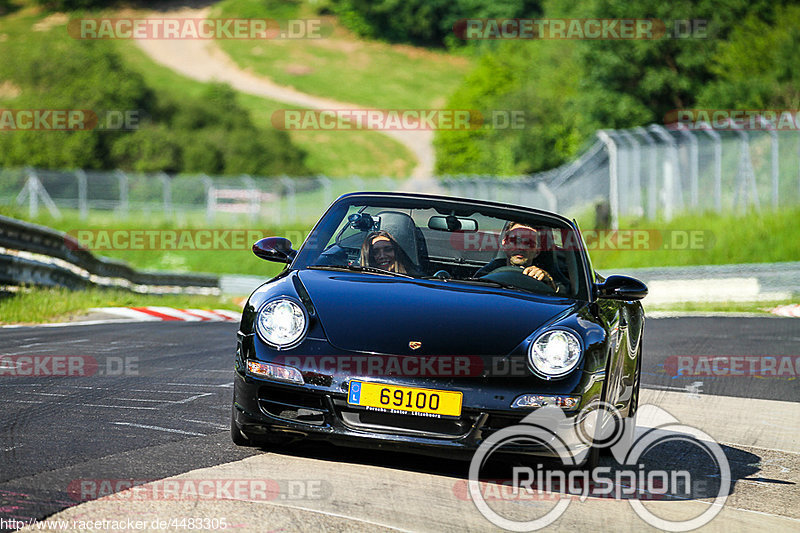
point(522, 246)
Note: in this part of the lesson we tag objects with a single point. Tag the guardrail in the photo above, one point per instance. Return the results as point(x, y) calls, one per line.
point(36, 255)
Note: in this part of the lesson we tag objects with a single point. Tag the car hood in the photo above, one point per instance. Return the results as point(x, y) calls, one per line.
point(382, 314)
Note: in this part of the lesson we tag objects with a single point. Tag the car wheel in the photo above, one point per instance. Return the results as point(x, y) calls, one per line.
point(592, 459)
point(629, 436)
point(239, 437)
point(634, 403)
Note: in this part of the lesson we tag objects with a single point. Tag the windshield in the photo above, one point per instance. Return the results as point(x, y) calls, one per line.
point(448, 241)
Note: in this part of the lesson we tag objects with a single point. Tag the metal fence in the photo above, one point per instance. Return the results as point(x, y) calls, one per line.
point(657, 172)
point(652, 172)
point(278, 200)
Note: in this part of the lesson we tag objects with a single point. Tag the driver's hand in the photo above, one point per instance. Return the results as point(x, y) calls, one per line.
point(537, 273)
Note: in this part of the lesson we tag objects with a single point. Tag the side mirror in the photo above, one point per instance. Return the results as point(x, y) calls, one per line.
point(275, 249)
point(621, 288)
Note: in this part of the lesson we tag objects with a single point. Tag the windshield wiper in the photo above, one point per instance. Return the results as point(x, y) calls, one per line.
point(359, 268)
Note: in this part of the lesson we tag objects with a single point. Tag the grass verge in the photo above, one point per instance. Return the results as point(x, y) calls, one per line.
point(341, 66)
point(762, 307)
point(706, 239)
point(769, 237)
point(188, 257)
point(41, 305)
point(362, 153)
point(334, 154)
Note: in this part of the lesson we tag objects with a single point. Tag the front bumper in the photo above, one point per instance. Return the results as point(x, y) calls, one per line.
point(285, 412)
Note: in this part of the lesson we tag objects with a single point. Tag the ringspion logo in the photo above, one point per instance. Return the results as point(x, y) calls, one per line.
point(570, 439)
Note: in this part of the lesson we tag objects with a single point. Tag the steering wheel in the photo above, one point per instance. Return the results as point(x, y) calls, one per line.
point(512, 275)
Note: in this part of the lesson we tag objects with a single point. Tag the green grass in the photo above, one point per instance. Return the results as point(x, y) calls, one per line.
point(719, 239)
point(239, 260)
point(334, 154)
point(40, 305)
point(342, 67)
point(769, 237)
point(354, 153)
point(762, 307)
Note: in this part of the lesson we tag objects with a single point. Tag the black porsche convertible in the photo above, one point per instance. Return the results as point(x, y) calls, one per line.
point(427, 323)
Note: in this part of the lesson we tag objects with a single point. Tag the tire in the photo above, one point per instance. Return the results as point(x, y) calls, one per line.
point(630, 419)
point(237, 436)
point(592, 460)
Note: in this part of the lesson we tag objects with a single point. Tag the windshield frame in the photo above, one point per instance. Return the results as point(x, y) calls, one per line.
point(326, 227)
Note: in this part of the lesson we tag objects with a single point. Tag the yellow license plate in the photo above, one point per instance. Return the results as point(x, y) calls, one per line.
point(390, 398)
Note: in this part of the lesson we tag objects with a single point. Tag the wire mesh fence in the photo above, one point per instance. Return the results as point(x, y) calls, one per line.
point(653, 172)
point(276, 200)
point(657, 172)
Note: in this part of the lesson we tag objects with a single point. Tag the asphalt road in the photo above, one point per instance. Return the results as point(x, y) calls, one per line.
point(55, 430)
point(154, 401)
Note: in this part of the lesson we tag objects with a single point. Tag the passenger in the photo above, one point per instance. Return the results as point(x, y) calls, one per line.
point(522, 247)
point(380, 250)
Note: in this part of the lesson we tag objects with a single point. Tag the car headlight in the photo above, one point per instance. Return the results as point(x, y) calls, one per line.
point(281, 323)
point(555, 353)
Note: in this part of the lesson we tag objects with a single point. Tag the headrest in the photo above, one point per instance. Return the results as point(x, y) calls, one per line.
point(403, 230)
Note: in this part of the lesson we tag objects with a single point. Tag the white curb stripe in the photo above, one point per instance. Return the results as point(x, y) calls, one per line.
point(229, 315)
point(792, 310)
point(177, 313)
point(206, 314)
point(187, 315)
point(125, 312)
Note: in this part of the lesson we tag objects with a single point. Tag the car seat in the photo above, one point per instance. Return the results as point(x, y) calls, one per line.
point(407, 235)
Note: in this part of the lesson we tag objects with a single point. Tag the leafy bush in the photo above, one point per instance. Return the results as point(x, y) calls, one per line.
point(210, 134)
point(533, 79)
point(570, 89)
point(756, 67)
point(423, 22)
point(72, 5)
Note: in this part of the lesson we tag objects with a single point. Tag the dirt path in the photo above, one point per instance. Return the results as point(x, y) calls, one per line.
point(205, 61)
